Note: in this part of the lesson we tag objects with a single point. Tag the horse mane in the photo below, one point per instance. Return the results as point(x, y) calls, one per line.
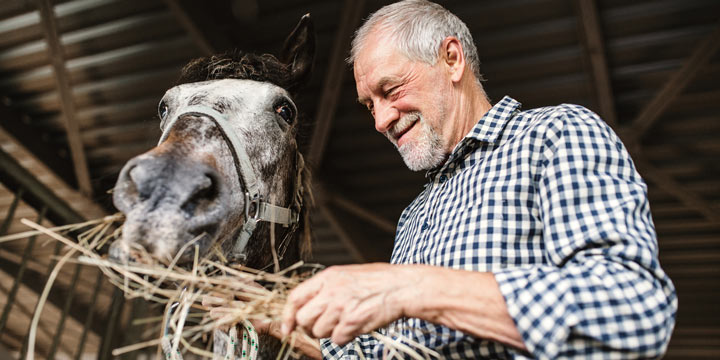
point(306, 201)
point(237, 64)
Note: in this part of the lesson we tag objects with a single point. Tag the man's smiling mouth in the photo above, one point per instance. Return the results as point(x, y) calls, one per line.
point(405, 131)
point(397, 133)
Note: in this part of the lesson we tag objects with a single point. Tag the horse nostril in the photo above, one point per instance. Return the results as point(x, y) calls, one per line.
point(203, 195)
point(125, 193)
point(135, 184)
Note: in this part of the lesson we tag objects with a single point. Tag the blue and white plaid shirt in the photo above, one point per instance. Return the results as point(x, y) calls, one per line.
point(549, 201)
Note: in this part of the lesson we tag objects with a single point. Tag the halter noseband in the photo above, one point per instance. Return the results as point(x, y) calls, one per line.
point(256, 208)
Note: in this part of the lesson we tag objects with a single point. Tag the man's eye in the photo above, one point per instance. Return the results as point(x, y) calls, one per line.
point(390, 92)
point(286, 111)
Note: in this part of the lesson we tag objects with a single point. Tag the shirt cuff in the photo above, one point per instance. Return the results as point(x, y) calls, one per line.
point(364, 343)
point(540, 303)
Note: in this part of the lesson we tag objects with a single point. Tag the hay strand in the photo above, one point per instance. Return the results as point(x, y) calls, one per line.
point(134, 347)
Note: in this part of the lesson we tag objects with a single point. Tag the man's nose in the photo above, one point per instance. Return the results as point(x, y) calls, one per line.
point(385, 117)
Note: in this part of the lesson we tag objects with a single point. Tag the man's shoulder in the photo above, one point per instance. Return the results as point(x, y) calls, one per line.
point(560, 116)
point(571, 111)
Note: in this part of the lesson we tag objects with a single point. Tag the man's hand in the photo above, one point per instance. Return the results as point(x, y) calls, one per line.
point(342, 302)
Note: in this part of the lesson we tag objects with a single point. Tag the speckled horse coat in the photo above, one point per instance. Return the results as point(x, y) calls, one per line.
point(188, 188)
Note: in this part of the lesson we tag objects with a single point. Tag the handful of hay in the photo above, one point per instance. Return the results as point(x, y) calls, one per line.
point(183, 290)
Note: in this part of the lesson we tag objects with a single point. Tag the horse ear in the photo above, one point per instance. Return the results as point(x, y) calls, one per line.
point(299, 50)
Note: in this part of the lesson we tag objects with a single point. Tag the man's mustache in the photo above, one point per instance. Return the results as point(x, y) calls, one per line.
point(402, 126)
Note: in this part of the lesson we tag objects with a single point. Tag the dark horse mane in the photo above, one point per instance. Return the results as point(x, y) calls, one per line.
point(264, 68)
point(241, 65)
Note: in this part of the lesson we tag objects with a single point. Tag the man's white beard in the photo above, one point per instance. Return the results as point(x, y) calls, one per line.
point(423, 152)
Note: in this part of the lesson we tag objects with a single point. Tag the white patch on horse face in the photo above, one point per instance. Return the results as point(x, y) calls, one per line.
point(248, 105)
point(246, 99)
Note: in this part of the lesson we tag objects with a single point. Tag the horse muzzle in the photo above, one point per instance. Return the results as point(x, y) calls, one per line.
point(168, 202)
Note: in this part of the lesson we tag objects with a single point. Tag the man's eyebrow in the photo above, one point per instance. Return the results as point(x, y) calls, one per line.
point(384, 81)
point(387, 80)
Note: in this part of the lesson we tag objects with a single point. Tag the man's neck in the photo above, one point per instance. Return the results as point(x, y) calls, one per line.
point(472, 104)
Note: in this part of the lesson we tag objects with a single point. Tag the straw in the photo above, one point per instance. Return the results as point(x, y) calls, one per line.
point(183, 289)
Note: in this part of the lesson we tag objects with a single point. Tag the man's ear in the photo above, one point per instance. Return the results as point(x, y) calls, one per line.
point(454, 57)
point(299, 50)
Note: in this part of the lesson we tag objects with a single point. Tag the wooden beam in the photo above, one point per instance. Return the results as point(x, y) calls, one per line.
point(18, 126)
point(37, 195)
point(57, 60)
point(360, 212)
point(332, 87)
point(697, 60)
point(594, 47)
point(685, 241)
point(202, 30)
point(190, 26)
point(34, 174)
point(677, 190)
point(338, 229)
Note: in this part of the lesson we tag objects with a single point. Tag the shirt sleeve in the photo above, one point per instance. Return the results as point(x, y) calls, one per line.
point(362, 347)
point(601, 289)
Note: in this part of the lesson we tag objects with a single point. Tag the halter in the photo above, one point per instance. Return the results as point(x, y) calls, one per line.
point(256, 208)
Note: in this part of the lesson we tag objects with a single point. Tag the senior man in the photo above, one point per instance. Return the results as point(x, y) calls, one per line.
point(532, 238)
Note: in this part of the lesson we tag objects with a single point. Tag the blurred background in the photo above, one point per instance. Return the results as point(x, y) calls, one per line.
point(80, 81)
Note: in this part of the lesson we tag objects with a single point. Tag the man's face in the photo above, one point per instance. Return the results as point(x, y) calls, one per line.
point(408, 100)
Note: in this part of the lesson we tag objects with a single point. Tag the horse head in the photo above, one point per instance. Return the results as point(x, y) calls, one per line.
point(227, 167)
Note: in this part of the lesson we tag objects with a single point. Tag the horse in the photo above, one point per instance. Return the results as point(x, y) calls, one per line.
point(227, 167)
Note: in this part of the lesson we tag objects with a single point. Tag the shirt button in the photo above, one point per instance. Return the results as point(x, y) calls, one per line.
point(425, 226)
point(443, 178)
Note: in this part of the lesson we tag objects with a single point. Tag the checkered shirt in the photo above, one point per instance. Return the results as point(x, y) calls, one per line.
point(549, 201)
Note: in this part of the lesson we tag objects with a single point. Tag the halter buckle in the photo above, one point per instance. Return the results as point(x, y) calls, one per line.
point(256, 200)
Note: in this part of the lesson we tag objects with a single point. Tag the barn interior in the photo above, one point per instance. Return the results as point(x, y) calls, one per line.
point(80, 82)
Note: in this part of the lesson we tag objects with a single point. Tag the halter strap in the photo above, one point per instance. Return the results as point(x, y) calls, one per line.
point(256, 208)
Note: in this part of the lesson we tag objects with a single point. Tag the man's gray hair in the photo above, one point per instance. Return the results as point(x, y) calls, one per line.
point(417, 28)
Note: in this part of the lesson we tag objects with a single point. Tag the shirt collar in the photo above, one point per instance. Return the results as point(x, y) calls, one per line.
point(488, 129)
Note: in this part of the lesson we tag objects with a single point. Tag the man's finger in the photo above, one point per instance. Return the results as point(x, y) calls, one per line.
point(356, 319)
point(307, 315)
point(297, 299)
point(342, 335)
point(325, 323)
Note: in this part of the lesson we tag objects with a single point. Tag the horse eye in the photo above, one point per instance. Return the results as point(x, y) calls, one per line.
point(162, 110)
point(286, 111)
